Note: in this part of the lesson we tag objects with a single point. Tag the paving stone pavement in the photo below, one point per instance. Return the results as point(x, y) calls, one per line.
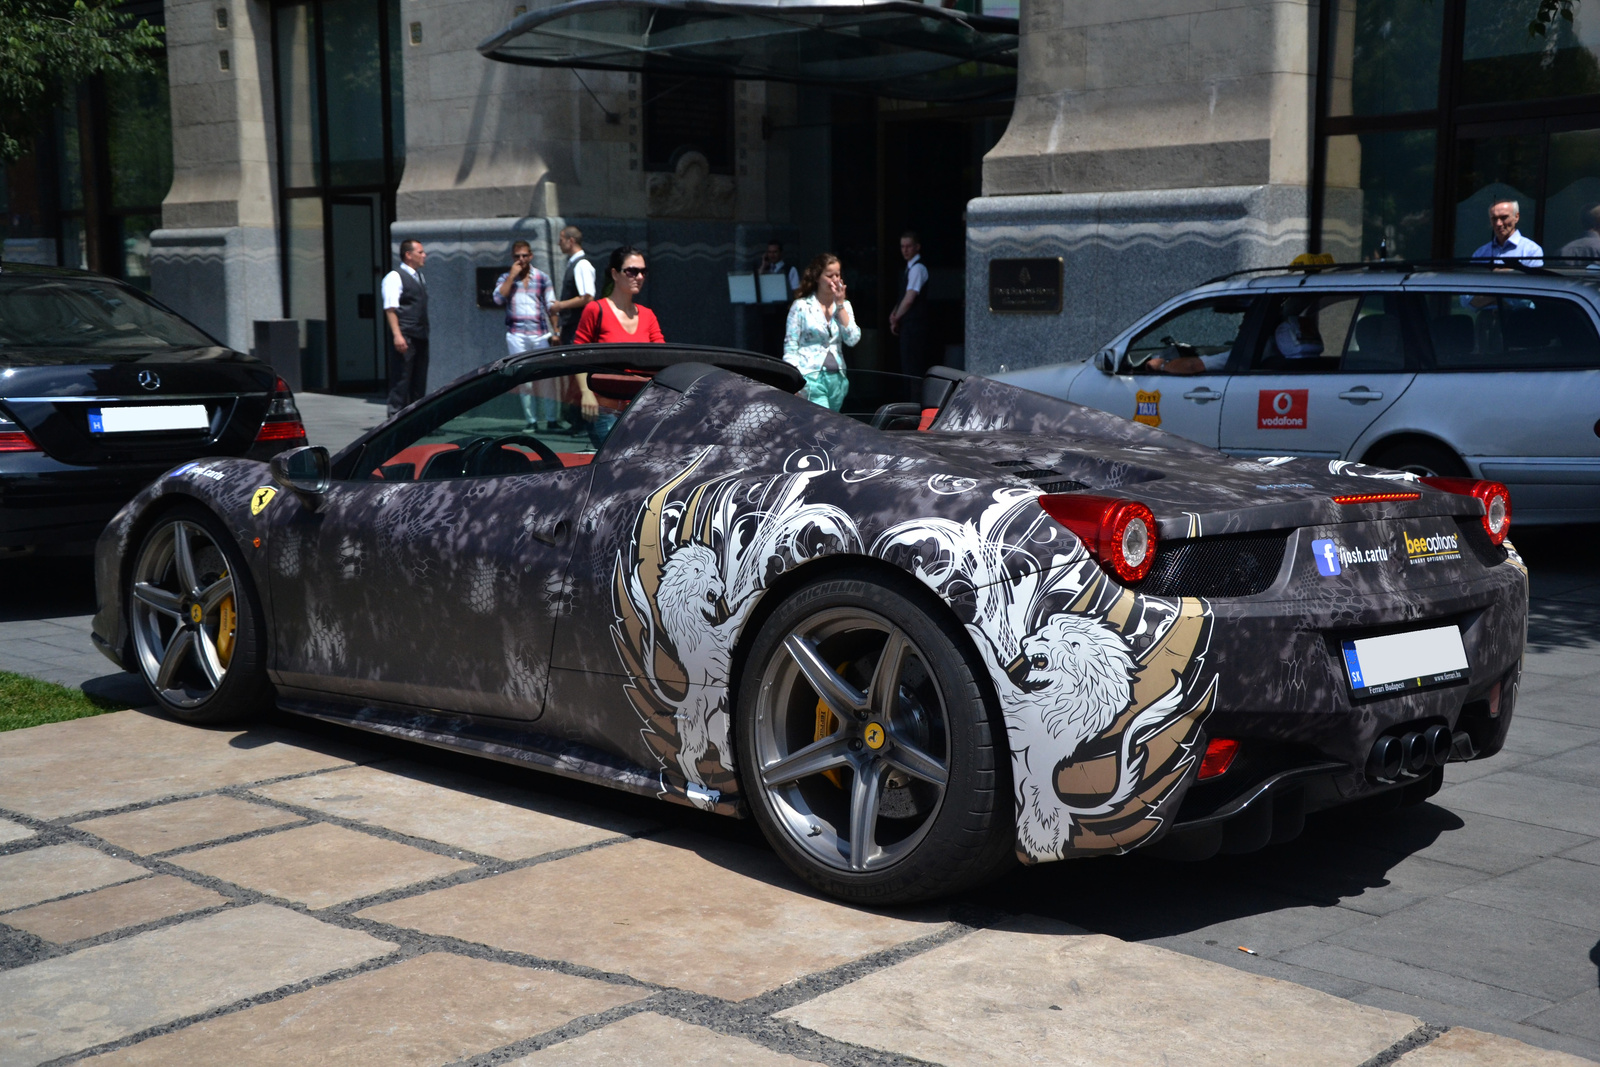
point(295, 893)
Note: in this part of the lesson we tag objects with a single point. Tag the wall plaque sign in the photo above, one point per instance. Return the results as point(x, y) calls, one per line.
point(1025, 285)
point(485, 277)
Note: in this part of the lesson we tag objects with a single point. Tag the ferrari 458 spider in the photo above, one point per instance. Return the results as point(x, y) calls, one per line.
point(999, 625)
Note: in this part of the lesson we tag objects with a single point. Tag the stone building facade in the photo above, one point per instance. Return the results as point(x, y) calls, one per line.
point(1152, 146)
point(1149, 146)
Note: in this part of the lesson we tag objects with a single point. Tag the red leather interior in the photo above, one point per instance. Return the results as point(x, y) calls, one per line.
point(928, 415)
point(416, 457)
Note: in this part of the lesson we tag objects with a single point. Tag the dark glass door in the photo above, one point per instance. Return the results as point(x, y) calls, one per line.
point(355, 255)
point(341, 137)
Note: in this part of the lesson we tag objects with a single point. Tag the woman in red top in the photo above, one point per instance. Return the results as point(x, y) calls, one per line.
point(614, 319)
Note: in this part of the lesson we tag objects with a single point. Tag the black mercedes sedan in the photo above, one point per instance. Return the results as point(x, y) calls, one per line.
point(102, 390)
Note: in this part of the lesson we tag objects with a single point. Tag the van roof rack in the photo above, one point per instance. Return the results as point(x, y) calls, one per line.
point(1413, 266)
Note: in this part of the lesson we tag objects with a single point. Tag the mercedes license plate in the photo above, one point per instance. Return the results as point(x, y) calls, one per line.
point(148, 418)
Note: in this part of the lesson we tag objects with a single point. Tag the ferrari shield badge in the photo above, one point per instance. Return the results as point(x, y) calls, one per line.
point(261, 499)
point(1147, 408)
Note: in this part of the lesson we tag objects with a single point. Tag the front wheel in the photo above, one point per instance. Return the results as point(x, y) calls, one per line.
point(197, 629)
point(866, 747)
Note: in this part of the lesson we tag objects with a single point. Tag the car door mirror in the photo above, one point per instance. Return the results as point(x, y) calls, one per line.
point(1106, 360)
point(304, 471)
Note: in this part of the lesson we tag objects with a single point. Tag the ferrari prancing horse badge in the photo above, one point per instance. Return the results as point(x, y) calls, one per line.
point(262, 498)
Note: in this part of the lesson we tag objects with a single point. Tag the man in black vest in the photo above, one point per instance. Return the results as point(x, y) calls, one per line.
point(909, 319)
point(577, 287)
point(405, 306)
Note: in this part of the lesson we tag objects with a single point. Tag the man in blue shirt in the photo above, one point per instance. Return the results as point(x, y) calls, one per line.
point(1506, 241)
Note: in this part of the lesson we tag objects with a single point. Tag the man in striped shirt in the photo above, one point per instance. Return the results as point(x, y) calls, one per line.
point(526, 293)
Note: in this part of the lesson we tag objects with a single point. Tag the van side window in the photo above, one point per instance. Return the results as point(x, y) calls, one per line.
point(1501, 331)
point(1207, 329)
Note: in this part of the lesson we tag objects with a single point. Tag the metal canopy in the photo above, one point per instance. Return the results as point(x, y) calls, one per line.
point(894, 48)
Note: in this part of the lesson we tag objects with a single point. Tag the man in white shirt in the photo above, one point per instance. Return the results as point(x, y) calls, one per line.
point(1506, 241)
point(405, 307)
point(577, 287)
point(909, 319)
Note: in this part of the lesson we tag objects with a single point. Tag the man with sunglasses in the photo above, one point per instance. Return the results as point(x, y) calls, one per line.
point(526, 293)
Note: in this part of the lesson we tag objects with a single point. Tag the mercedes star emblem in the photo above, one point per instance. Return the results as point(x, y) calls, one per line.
point(150, 379)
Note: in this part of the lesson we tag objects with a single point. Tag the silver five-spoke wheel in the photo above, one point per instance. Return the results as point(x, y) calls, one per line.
point(852, 739)
point(183, 613)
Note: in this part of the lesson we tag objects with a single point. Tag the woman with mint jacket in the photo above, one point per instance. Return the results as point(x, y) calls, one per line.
point(820, 321)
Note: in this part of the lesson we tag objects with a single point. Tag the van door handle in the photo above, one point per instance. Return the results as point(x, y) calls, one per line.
point(1360, 395)
point(1202, 394)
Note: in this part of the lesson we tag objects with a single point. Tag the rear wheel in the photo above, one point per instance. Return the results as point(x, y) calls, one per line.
point(197, 629)
point(1425, 458)
point(866, 750)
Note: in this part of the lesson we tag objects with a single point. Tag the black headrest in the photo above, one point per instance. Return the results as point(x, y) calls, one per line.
point(938, 384)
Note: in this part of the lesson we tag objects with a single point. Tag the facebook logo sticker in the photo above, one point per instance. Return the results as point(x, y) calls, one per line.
point(1326, 553)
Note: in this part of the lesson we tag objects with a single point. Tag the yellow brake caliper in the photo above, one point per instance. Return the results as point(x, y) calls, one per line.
point(825, 726)
point(227, 623)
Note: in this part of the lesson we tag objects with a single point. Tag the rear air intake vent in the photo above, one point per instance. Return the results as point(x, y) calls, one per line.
point(1011, 463)
point(1477, 539)
point(1065, 485)
point(1216, 566)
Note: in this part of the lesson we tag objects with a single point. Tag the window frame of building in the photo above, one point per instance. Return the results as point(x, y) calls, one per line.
point(1456, 125)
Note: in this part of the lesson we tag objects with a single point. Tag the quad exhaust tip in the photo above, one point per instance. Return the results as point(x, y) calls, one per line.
point(1413, 753)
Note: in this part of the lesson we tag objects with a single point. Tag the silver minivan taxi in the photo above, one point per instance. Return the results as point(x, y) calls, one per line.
point(1460, 371)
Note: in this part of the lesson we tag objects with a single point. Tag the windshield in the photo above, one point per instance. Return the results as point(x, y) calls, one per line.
point(93, 313)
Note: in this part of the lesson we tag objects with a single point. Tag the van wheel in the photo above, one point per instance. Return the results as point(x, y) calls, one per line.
point(1424, 458)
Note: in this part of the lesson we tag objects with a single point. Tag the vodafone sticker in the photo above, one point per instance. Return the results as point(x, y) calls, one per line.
point(1281, 409)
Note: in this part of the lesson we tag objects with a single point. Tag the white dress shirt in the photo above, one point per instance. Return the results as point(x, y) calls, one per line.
point(582, 273)
point(916, 274)
point(391, 286)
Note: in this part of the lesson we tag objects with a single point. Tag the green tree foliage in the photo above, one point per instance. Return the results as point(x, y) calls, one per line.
point(48, 44)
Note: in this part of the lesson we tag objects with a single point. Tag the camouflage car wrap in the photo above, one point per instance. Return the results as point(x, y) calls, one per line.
point(592, 620)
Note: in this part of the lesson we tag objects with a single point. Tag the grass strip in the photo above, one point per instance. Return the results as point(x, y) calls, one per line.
point(27, 702)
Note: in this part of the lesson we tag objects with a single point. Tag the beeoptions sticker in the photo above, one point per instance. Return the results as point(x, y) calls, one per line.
point(1147, 407)
point(1281, 409)
point(1431, 548)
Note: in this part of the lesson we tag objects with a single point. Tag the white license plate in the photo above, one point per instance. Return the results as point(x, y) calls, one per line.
point(1414, 660)
point(146, 419)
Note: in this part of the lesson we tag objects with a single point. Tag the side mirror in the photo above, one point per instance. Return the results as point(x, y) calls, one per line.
point(306, 472)
point(1106, 360)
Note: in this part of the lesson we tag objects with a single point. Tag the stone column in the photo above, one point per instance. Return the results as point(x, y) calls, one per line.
point(1151, 146)
point(215, 259)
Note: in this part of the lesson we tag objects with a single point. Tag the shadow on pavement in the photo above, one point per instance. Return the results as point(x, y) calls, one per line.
point(1338, 858)
point(121, 690)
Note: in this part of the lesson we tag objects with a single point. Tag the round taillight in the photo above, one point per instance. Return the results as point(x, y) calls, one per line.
point(1121, 534)
point(1496, 509)
point(1132, 536)
point(1495, 498)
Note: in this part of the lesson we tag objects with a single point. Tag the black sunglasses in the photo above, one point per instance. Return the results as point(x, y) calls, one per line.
point(634, 272)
